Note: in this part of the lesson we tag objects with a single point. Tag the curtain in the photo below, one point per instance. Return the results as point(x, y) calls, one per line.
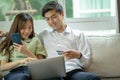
point(118, 7)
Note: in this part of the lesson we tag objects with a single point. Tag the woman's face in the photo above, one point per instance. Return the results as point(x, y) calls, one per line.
point(26, 30)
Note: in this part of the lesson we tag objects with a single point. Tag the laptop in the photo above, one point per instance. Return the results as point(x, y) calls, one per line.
point(47, 68)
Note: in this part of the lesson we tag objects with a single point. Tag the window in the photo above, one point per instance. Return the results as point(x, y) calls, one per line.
point(93, 8)
point(73, 8)
point(90, 15)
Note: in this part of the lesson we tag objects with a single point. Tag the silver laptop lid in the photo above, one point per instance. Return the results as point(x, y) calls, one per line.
point(47, 68)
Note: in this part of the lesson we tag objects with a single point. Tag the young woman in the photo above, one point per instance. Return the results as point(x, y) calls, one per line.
point(15, 56)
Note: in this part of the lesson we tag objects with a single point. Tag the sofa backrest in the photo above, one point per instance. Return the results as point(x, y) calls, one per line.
point(105, 55)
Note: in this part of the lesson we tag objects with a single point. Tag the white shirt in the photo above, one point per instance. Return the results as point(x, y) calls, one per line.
point(67, 40)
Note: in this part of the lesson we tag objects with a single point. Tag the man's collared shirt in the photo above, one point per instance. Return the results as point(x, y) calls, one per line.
point(69, 39)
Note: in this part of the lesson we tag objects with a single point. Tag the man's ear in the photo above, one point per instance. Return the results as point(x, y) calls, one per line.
point(62, 13)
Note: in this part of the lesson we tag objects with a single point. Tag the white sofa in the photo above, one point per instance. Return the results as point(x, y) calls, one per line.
point(105, 56)
point(105, 59)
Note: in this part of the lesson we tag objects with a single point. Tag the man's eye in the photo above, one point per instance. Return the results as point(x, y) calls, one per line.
point(54, 16)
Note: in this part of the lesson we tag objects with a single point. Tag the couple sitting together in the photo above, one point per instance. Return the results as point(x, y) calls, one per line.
point(76, 50)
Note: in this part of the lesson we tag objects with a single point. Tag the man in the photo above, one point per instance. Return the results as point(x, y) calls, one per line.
point(72, 43)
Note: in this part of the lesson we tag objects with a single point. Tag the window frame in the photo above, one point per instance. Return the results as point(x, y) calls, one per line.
point(100, 20)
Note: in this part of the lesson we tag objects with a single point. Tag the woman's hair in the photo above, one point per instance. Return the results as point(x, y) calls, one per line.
point(52, 5)
point(16, 26)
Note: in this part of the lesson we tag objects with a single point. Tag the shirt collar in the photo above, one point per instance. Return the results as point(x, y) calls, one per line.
point(67, 30)
point(27, 40)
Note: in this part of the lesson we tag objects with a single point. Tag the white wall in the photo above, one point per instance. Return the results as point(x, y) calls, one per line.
point(94, 24)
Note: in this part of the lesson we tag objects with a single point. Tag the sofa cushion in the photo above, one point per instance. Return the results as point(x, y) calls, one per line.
point(105, 59)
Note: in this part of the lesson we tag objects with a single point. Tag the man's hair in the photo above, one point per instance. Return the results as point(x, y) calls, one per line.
point(52, 5)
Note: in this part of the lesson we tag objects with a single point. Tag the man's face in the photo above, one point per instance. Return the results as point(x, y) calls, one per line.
point(54, 19)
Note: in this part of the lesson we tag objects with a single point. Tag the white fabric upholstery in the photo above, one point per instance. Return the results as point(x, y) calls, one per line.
point(105, 59)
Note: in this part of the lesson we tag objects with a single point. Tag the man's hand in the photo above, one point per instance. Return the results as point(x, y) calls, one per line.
point(70, 54)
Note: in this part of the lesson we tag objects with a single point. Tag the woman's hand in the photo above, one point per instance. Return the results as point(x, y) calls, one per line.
point(5, 65)
point(20, 48)
point(26, 60)
point(23, 49)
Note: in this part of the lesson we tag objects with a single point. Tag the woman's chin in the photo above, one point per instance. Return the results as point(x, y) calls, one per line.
point(25, 37)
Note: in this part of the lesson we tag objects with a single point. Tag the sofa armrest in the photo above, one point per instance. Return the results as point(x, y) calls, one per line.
point(105, 55)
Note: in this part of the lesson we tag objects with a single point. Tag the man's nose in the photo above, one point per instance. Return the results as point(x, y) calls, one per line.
point(51, 20)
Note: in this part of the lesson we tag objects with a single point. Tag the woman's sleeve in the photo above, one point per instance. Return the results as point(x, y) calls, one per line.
point(3, 56)
point(40, 48)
